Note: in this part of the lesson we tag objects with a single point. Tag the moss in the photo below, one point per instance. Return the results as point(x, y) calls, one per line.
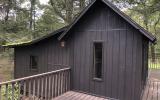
point(16, 43)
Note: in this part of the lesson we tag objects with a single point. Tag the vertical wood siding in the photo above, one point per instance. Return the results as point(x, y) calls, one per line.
point(51, 56)
point(122, 59)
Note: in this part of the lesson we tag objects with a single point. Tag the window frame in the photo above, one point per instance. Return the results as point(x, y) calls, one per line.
point(93, 61)
point(31, 64)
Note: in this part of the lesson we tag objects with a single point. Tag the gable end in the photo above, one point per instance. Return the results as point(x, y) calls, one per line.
point(115, 9)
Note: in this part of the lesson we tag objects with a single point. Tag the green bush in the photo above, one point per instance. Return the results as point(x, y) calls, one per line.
point(8, 92)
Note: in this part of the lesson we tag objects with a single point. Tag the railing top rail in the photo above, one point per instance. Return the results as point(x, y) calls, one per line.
point(33, 76)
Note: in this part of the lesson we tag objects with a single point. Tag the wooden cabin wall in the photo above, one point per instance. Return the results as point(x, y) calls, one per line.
point(145, 49)
point(122, 55)
point(51, 56)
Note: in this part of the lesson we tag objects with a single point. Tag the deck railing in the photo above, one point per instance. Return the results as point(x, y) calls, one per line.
point(154, 64)
point(37, 87)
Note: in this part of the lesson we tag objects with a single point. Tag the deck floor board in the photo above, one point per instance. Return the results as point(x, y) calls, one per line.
point(72, 95)
point(152, 91)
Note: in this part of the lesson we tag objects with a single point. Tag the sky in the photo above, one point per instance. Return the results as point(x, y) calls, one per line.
point(39, 12)
point(44, 1)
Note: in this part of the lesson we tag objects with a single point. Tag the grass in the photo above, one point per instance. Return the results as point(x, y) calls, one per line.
point(9, 92)
point(154, 65)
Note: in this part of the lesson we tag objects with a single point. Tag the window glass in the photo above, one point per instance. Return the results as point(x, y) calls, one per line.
point(98, 60)
point(34, 62)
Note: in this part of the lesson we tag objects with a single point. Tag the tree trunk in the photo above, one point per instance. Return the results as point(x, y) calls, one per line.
point(69, 11)
point(8, 10)
point(68, 8)
point(32, 18)
point(7, 14)
point(31, 15)
point(81, 4)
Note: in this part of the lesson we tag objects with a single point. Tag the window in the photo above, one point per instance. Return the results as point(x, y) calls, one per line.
point(33, 62)
point(98, 60)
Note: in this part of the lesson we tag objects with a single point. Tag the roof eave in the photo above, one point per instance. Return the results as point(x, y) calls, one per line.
point(151, 38)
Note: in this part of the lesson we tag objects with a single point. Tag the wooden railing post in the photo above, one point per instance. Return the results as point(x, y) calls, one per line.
point(24, 88)
point(42, 87)
point(29, 88)
point(46, 84)
point(38, 87)
point(6, 91)
point(69, 80)
point(12, 91)
point(0, 92)
point(34, 88)
point(49, 87)
point(53, 86)
point(19, 89)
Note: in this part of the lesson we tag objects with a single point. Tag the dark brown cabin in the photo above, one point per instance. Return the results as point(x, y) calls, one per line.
point(106, 51)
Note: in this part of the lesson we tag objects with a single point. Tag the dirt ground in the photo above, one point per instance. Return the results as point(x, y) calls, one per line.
point(154, 74)
point(6, 69)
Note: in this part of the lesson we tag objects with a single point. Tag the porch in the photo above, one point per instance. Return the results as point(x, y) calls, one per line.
point(55, 85)
point(152, 90)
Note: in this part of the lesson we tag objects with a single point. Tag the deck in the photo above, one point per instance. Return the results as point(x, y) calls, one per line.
point(152, 90)
point(72, 95)
point(55, 85)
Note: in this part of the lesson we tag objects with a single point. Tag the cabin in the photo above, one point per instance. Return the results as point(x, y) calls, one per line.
point(105, 50)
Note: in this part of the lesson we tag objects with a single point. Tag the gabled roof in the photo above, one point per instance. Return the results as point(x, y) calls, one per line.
point(59, 31)
point(65, 30)
point(114, 8)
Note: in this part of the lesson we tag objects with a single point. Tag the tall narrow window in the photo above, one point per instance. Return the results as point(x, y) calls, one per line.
point(33, 62)
point(98, 60)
